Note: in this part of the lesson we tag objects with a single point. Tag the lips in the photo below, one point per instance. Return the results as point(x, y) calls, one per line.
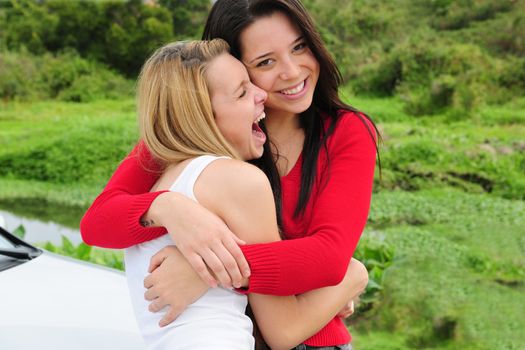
point(294, 90)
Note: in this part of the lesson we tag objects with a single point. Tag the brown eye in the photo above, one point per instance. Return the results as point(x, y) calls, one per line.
point(243, 94)
point(299, 47)
point(266, 62)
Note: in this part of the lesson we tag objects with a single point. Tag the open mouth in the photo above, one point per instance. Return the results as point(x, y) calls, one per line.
point(256, 129)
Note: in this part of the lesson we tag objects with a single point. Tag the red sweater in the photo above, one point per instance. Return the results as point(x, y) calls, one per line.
point(321, 242)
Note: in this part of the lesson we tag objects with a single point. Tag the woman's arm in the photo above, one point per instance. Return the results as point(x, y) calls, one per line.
point(287, 321)
point(341, 211)
point(337, 221)
point(113, 221)
point(241, 195)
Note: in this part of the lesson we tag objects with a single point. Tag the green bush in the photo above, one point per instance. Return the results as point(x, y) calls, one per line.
point(27, 24)
point(432, 76)
point(85, 154)
point(380, 78)
point(429, 159)
point(121, 34)
point(415, 152)
point(453, 15)
point(355, 32)
point(188, 16)
point(24, 76)
point(101, 85)
point(377, 256)
point(17, 73)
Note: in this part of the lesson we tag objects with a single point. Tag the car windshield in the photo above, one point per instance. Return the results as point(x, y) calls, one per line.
point(4, 243)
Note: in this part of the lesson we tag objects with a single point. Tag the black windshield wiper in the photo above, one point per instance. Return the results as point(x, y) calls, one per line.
point(20, 250)
point(21, 254)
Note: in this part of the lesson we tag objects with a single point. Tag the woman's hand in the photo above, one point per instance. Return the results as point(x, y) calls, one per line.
point(347, 311)
point(202, 237)
point(172, 283)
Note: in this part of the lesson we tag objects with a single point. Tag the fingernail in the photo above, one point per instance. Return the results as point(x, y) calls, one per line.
point(247, 273)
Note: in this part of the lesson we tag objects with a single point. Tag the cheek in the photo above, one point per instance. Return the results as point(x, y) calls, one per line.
point(262, 80)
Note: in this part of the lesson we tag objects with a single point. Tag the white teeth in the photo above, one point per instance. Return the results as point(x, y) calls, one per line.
point(295, 90)
point(261, 117)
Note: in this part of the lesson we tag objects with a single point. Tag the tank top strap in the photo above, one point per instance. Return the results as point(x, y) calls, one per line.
point(185, 182)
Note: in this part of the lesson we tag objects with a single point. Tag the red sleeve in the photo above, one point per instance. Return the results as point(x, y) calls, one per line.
point(112, 221)
point(339, 216)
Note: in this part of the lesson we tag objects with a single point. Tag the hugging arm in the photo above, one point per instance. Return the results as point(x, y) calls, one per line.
point(287, 321)
point(336, 224)
point(278, 268)
point(113, 221)
point(241, 195)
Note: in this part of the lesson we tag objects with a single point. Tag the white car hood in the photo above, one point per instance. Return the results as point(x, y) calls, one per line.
point(52, 302)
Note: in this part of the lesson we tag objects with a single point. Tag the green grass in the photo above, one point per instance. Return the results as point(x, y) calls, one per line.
point(449, 210)
point(62, 153)
point(458, 278)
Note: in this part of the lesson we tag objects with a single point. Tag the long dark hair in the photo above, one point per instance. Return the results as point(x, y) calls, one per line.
point(227, 20)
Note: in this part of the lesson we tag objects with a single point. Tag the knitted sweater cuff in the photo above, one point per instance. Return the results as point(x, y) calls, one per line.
point(265, 269)
point(138, 207)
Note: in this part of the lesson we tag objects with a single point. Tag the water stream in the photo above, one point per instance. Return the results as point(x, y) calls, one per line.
point(39, 229)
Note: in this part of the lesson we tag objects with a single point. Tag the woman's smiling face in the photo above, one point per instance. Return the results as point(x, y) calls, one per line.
point(238, 105)
point(279, 61)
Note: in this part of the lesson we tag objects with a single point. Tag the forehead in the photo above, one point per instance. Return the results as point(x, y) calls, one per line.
point(267, 34)
point(225, 73)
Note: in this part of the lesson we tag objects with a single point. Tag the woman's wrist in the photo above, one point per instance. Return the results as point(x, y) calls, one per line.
point(159, 209)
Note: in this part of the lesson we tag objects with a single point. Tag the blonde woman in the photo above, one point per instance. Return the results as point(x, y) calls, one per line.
point(198, 116)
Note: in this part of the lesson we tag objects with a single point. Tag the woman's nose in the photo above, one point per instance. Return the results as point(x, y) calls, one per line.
point(260, 95)
point(290, 69)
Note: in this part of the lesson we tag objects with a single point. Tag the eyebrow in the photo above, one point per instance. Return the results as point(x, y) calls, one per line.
point(269, 53)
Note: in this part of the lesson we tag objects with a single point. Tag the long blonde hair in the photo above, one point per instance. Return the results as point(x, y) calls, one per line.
point(175, 113)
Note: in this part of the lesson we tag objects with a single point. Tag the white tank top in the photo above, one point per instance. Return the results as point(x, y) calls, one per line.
point(214, 321)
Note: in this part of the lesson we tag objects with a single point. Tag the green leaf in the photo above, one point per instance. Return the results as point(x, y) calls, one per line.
point(83, 251)
point(50, 247)
point(68, 247)
point(20, 232)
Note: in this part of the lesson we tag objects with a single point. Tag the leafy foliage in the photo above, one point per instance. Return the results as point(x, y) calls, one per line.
point(120, 34)
point(188, 16)
point(377, 256)
point(437, 56)
point(20, 231)
point(65, 76)
point(84, 252)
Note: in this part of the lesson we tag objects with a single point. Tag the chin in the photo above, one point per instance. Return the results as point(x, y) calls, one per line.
point(299, 108)
point(258, 154)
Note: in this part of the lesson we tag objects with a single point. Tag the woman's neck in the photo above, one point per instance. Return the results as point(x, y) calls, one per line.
point(287, 139)
point(280, 125)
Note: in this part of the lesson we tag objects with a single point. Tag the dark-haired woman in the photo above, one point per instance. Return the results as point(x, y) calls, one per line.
point(320, 161)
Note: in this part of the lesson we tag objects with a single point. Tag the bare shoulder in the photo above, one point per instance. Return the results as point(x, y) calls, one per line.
point(232, 179)
point(240, 194)
point(232, 173)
